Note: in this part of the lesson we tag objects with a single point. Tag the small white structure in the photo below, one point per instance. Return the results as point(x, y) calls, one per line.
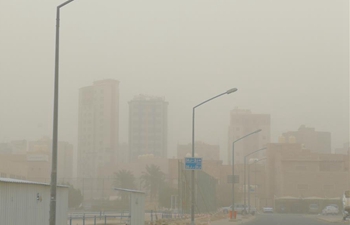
point(137, 206)
point(26, 202)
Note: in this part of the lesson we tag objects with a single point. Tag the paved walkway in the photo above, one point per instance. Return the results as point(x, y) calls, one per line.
point(239, 220)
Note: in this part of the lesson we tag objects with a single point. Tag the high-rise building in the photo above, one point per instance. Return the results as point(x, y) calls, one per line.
point(243, 122)
point(97, 130)
point(148, 127)
point(315, 141)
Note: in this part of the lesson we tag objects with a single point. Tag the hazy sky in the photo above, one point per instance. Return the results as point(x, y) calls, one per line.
point(287, 58)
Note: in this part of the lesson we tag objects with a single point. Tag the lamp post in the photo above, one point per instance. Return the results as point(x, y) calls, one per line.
point(245, 167)
point(193, 146)
point(233, 167)
point(254, 162)
point(52, 219)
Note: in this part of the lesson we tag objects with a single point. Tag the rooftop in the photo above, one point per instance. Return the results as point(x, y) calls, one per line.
point(10, 180)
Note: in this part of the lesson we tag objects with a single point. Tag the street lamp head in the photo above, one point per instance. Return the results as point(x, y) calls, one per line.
point(231, 90)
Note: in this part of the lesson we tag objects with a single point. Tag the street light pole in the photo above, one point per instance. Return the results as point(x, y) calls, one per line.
point(245, 167)
point(233, 167)
point(255, 161)
point(53, 184)
point(193, 147)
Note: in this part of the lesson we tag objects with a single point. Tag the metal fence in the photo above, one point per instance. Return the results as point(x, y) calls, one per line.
point(95, 218)
point(105, 218)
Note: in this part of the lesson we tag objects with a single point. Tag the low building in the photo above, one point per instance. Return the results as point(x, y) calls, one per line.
point(13, 166)
point(315, 141)
point(26, 202)
point(297, 172)
point(345, 150)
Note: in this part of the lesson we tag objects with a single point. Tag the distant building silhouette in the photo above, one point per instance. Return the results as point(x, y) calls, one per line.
point(148, 127)
point(315, 141)
point(203, 150)
point(243, 122)
point(31, 160)
point(344, 150)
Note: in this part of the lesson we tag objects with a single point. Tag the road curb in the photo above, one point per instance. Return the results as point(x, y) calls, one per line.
point(331, 221)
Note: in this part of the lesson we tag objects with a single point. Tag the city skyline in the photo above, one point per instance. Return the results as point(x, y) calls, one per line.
point(99, 112)
point(292, 89)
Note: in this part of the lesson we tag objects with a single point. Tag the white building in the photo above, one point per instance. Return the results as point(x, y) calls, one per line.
point(25, 202)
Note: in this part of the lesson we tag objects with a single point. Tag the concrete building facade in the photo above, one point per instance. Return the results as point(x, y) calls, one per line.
point(294, 171)
point(315, 141)
point(148, 127)
point(40, 152)
point(343, 150)
point(13, 166)
point(14, 147)
point(243, 122)
point(98, 132)
point(34, 162)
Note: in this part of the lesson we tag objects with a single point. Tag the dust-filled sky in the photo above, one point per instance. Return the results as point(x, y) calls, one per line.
point(287, 58)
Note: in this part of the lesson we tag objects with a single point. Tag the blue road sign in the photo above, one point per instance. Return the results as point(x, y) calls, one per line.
point(193, 163)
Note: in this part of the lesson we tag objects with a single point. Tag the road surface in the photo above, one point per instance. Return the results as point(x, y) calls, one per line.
point(285, 219)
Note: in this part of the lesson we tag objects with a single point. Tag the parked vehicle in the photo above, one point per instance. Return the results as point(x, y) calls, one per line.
point(267, 210)
point(314, 208)
point(335, 205)
point(226, 209)
point(330, 210)
point(239, 208)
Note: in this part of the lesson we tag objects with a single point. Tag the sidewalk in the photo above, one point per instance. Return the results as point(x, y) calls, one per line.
point(239, 220)
point(329, 218)
point(332, 219)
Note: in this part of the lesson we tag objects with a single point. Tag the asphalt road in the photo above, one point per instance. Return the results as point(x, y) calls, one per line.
point(285, 219)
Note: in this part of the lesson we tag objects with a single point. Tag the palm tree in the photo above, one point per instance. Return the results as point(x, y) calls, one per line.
point(124, 179)
point(153, 179)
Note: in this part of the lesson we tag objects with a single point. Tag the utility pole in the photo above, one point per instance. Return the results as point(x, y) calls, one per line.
point(53, 185)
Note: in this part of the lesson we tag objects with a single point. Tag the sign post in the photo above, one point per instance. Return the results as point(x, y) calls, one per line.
point(192, 163)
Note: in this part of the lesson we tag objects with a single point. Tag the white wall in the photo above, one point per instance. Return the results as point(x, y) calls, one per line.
point(19, 204)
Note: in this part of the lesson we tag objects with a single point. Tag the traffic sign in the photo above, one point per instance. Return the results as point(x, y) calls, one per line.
point(192, 163)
